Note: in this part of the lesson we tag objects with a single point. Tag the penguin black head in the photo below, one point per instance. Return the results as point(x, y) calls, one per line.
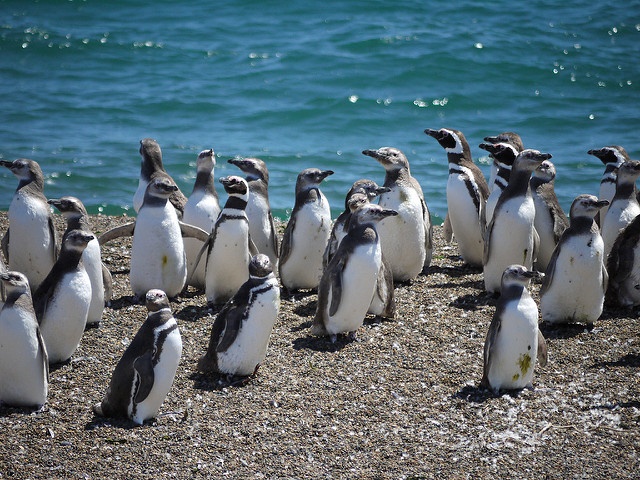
point(68, 206)
point(511, 138)
point(370, 213)
point(235, 185)
point(161, 185)
point(529, 159)
point(367, 187)
point(311, 178)
point(253, 168)
point(76, 241)
point(518, 275)
point(586, 206)
point(356, 201)
point(14, 283)
point(25, 170)
point(502, 151)
point(156, 300)
point(610, 154)
point(260, 266)
point(453, 141)
point(390, 158)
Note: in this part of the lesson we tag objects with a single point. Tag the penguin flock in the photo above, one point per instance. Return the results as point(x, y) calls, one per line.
point(512, 228)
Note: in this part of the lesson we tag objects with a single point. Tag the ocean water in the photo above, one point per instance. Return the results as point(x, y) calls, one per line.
point(309, 84)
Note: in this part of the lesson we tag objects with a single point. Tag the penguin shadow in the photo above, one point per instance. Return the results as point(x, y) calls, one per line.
point(296, 295)
point(563, 331)
point(461, 270)
point(124, 302)
point(630, 360)
point(473, 301)
point(115, 422)
point(193, 313)
point(213, 381)
point(477, 394)
point(8, 411)
point(322, 344)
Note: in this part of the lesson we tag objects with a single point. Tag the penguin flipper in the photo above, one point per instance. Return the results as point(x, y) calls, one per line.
point(107, 281)
point(205, 248)
point(253, 250)
point(230, 317)
point(273, 235)
point(489, 344)
point(5, 245)
point(287, 240)
point(54, 238)
point(551, 268)
point(542, 350)
point(447, 229)
point(487, 240)
point(45, 356)
point(335, 280)
point(193, 232)
point(125, 230)
point(536, 247)
point(43, 294)
point(143, 367)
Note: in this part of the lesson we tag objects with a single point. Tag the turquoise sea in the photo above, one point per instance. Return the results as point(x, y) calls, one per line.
point(302, 84)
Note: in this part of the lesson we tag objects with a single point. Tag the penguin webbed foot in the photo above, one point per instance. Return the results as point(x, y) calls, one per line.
point(239, 381)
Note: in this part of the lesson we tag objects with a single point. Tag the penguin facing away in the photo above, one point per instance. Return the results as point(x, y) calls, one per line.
point(349, 281)
point(151, 163)
point(575, 281)
point(24, 366)
point(623, 267)
point(158, 259)
point(306, 234)
point(612, 157)
point(201, 210)
point(240, 333)
point(511, 237)
point(143, 377)
point(406, 239)
point(29, 244)
point(261, 225)
point(62, 300)
point(514, 341)
point(77, 218)
point(467, 194)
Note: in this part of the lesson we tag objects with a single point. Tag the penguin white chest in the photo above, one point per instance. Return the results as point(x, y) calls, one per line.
point(620, 214)
point(259, 224)
point(403, 236)
point(157, 254)
point(202, 211)
point(92, 262)
point(464, 216)
point(138, 196)
point(65, 317)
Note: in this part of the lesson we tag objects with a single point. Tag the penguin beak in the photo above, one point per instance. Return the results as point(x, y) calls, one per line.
point(371, 153)
point(388, 213)
point(533, 274)
point(325, 173)
point(434, 133)
point(545, 156)
point(4, 163)
point(489, 147)
point(381, 190)
point(601, 203)
point(54, 201)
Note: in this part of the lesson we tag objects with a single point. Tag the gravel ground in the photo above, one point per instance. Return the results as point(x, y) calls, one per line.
point(400, 402)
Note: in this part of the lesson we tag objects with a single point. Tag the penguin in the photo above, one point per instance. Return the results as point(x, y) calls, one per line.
point(511, 236)
point(77, 218)
point(612, 157)
point(575, 281)
point(62, 300)
point(370, 190)
point(240, 333)
point(24, 366)
point(201, 210)
point(406, 239)
point(30, 244)
point(229, 247)
point(158, 259)
point(510, 138)
point(550, 220)
point(151, 163)
point(623, 267)
point(306, 234)
point(349, 281)
point(514, 341)
point(144, 375)
point(467, 194)
point(261, 225)
point(624, 206)
point(503, 154)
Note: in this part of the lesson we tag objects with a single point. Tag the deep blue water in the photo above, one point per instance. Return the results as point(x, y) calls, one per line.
point(302, 84)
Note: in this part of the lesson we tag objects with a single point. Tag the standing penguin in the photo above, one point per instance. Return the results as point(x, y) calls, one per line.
point(229, 247)
point(240, 332)
point(624, 206)
point(510, 138)
point(349, 281)
point(261, 225)
point(62, 300)
point(612, 157)
point(201, 210)
point(511, 236)
point(151, 163)
point(514, 341)
point(157, 254)
point(306, 234)
point(144, 375)
point(24, 367)
point(30, 242)
point(576, 279)
point(503, 154)
point(406, 239)
point(467, 194)
point(550, 219)
point(77, 218)
point(623, 267)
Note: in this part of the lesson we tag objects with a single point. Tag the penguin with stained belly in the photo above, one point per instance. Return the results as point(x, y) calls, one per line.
point(151, 163)
point(575, 281)
point(467, 194)
point(349, 281)
point(144, 375)
point(158, 259)
point(306, 234)
point(24, 367)
point(29, 244)
point(62, 300)
point(550, 221)
point(514, 341)
point(261, 225)
point(406, 238)
point(240, 333)
point(201, 210)
point(612, 157)
point(77, 218)
point(511, 237)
